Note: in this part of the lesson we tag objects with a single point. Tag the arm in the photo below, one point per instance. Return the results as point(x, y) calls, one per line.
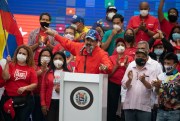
point(114, 70)
point(151, 42)
point(5, 72)
point(160, 11)
point(167, 45)
point(107, 39)
point(31, 42)
point(106, 62)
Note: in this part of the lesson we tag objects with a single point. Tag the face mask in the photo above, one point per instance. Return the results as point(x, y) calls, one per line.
point(129, 38)
point(58, 63)
point(158, 51)
point(178, 55)
point(69, 36)
point(144, 13)
point(110, 15)
point(44, 24)
point(176, 36)
point(21, 57)
point(120, 49)
point(140, 61)
point(45, 59)
point(115, 26)
point(75, 26)
point(168, 68)
point(172, 18)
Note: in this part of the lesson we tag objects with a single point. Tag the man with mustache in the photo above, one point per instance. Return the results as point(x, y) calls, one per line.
point(89, 57)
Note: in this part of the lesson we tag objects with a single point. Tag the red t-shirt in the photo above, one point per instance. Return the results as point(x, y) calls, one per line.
point(130, 52)
point(20, 76)
point(151, 24)
point(38, 50)
point(166, 27)
point(119, 73)
point(58, 47)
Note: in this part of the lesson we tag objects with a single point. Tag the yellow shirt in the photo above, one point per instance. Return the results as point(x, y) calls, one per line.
point(77, 34)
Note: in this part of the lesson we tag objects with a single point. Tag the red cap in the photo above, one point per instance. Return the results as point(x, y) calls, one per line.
point(120, 40)
point(8, 107)
point(176, 47)
point(157, 42)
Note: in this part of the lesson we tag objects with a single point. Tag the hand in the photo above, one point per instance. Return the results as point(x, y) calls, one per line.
point(50, 31)
point(142, 26)
point(44, 110)
point(124, 63)
point(142, 78)
point(21, 90)
point(160, 34)
point(156, 83)
point(57, 88)
point(8, 58)
point(100, 31)
point(156, 36)
point(103, 67)
point(114, 32)
point(130, 75)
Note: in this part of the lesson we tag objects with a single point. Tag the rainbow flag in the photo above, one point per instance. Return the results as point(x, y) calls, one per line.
point(10, 36)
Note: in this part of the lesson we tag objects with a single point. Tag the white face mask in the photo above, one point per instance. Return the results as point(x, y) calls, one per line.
point(120, 49)
point(21, 57)
point(58, 63)
point(75, 26)
point(69, 36)
point(144, 13)
point(45, 59)
point(89, 49)
point(168, 68)
point(110, 15)
point(115, 26)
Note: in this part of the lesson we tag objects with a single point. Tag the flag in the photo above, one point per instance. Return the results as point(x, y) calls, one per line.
point(10, 36)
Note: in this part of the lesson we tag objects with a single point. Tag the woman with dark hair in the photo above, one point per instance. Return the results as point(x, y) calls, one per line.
point(44, 61)
point(50, 89)
point(20, 80)
point(129, 37)
point(174, 36)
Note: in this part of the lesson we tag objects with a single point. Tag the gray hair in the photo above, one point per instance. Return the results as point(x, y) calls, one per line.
point(145, 43)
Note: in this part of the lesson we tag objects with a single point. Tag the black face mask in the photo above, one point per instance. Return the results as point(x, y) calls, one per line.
point(129, 38)
point(172, 18)
point(140, 61)
point(44, 24)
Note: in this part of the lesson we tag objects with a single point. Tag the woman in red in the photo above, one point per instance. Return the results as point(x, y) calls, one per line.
point(20, 79)
point(120, 62)
point(50, 89)
point(44, 62)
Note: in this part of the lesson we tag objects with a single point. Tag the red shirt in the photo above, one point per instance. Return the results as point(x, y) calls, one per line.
point(58, 47)
point(130, 52)
point(38, 50)
point(119, 73)
point(151, 24)
point(166, 27)
point(20, 76)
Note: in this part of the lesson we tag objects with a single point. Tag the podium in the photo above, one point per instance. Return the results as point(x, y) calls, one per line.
point(83, 97)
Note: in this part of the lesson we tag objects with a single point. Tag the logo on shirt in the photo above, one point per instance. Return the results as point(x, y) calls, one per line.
point(81, 98)
point(19, 74)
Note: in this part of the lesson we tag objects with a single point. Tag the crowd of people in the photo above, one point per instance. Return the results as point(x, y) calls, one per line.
point(141, 60)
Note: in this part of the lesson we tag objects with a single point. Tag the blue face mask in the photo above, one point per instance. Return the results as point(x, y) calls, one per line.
point(178, 55)
point(158, 51)
point(176, 36)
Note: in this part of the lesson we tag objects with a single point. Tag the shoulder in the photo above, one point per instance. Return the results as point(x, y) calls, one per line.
point(152, 17)
point(35, 31)
point(134, 17)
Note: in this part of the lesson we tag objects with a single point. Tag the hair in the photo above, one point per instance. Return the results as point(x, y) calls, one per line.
point(47, 14)
point(30, 57)
point(118, 16)
point(175, 10)
point(40, 54)
point(64, 66)
point(171, 56)
point(145, 43)
point(172, 31)
point(70, 27)
point(132, 43)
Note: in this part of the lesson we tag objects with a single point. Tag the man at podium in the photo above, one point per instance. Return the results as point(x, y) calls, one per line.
point(89, 57)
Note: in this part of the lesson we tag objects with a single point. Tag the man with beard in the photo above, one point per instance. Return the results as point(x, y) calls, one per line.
point(89, 57)
point(166, 26)
point(38, 39)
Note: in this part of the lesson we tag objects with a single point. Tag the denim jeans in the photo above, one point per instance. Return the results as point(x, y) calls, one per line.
point(137, 115)
point(168, 115)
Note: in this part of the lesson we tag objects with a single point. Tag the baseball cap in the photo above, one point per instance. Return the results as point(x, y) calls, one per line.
point(93, 34)
point(8, 107)
point(120, 40)
point(111, 8)
point(142, 51)
point(157, 42)
point(77, 18)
